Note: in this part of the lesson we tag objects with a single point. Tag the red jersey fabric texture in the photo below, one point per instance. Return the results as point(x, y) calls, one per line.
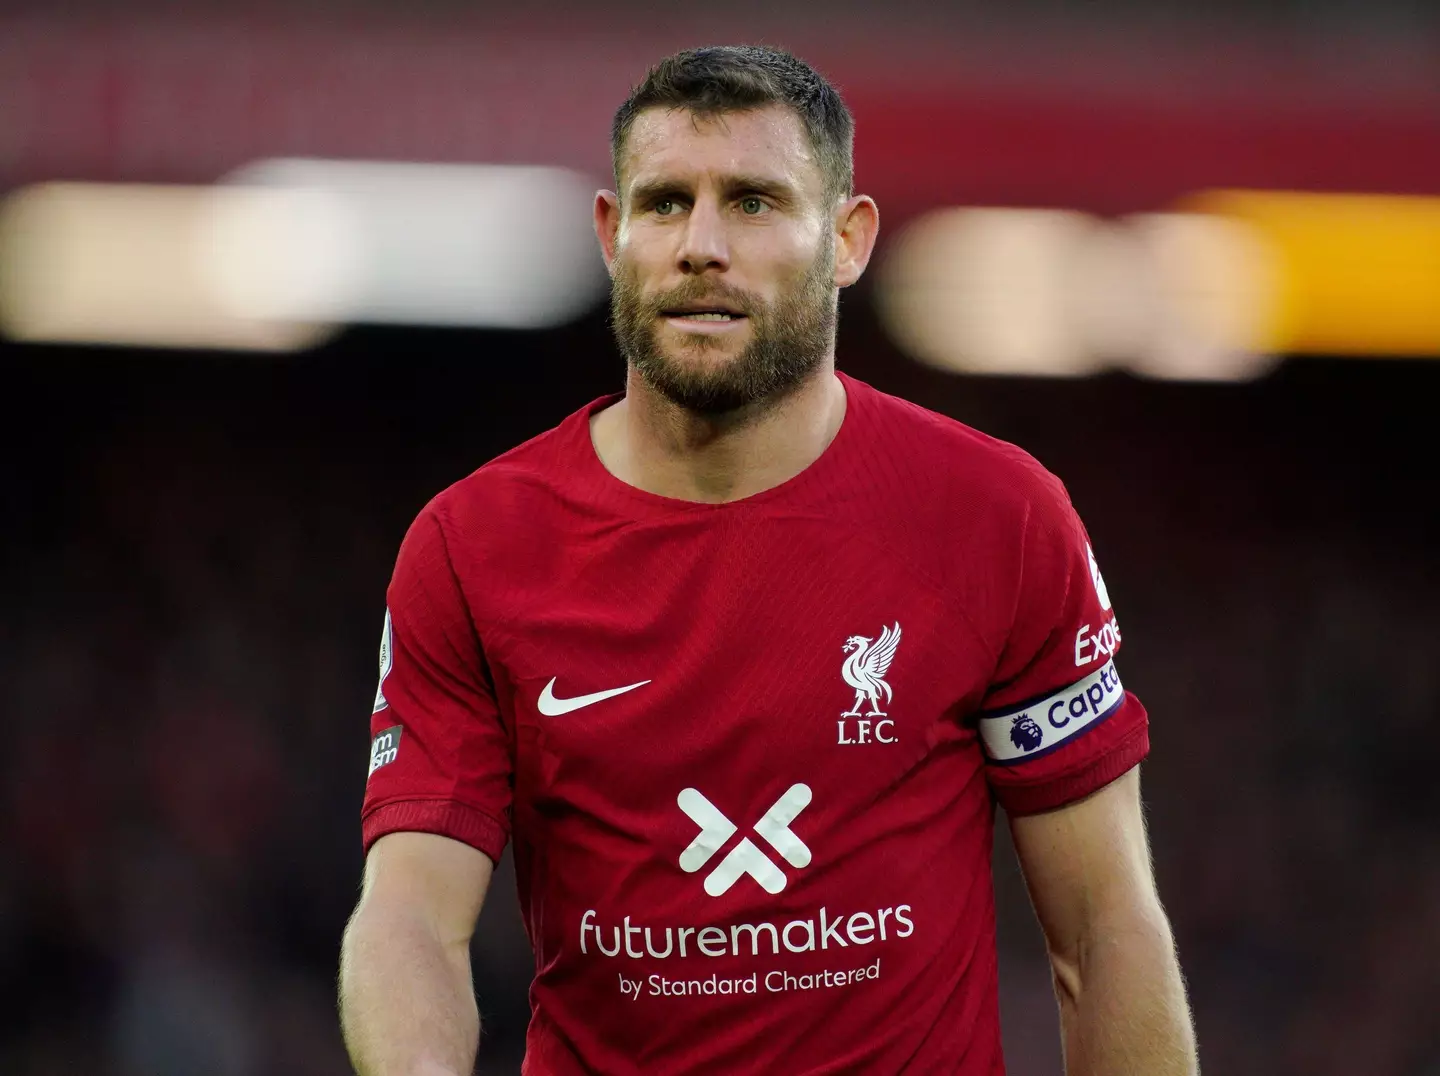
point(747, 754)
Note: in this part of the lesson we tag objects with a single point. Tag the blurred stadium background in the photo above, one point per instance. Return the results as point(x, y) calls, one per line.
point(271, 276)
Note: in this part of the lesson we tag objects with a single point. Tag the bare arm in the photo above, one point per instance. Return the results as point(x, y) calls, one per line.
point(1122, 999)
point(407, 1006)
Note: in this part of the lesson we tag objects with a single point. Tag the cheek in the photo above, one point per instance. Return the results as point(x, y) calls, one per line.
point(629, 265)
point(791, 252)
point(795, 270)
point(640, 253)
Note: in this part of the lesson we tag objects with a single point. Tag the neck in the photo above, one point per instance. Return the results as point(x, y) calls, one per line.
point(647, 441)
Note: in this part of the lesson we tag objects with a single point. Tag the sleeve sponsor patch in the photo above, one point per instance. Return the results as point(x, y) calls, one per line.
point(1042, 725)
point(387, 658)
point(1098, 579)
point(384, 748)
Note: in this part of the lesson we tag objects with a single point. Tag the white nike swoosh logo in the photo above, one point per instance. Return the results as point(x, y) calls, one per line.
point(551, 706)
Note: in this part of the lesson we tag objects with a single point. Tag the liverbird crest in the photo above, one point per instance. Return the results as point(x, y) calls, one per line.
point(865, 669)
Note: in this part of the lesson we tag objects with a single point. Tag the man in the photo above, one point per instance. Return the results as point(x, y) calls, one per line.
point(740, 661)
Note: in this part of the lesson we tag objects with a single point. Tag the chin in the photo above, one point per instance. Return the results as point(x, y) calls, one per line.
point(702, 354)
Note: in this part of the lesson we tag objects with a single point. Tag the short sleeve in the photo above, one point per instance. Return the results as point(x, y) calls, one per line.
point(440, 755)
point(1056, 724)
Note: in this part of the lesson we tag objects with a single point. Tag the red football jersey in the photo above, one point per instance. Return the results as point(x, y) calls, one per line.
point(748, 753)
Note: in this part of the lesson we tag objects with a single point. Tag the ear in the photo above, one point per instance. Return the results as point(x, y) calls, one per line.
point(857, 223)
point(607, 224)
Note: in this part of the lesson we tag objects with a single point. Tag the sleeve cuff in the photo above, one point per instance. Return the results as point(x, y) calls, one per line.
point(1047, 795)
point(448, 818)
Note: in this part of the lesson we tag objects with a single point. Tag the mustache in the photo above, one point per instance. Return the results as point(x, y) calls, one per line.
point(697, 290)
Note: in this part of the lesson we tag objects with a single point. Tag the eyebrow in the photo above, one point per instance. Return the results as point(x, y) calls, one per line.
point(656, 189)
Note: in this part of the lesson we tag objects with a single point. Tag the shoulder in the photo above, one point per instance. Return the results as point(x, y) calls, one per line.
point(975, 474)
point(510, 511)
point(519, 485)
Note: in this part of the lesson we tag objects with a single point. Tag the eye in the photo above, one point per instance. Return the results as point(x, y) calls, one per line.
point(752, 206)
point(664, 207)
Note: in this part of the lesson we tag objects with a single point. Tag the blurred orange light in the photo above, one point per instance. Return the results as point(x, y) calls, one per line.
point(1355, 274)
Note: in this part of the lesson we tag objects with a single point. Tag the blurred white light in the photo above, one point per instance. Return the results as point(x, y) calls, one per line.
point(1216, 290)
point(988, 291)
point(117, 264)
point(288, 255)
point(1057, 293)
point(430, 244)
point(1116, 296)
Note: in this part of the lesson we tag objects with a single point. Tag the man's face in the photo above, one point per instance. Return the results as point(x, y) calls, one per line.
point(724, 257)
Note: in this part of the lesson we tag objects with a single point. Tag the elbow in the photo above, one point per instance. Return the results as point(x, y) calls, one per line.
point(1117, 936)
point(1069, 952)
point(1066, 973)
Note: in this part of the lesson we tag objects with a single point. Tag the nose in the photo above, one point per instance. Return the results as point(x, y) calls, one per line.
point(702, 244)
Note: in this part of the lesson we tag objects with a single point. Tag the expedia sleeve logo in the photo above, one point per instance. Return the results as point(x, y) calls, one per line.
point(1025, 732)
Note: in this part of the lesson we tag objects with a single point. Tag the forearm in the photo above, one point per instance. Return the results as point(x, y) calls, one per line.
point(407, 1006)
point(1122, 1002)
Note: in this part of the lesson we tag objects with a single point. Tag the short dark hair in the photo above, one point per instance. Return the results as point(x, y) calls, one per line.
point(737, 78)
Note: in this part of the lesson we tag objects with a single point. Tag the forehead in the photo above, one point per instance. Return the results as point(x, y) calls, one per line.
point(678, 144)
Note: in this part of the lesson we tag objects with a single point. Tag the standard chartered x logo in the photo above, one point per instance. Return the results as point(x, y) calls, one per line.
point(745, 858)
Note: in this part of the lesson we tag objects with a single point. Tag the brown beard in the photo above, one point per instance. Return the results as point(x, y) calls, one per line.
point(789, 338)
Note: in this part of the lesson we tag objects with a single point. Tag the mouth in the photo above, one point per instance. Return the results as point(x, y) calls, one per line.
point(711, 313)
point(703, 321)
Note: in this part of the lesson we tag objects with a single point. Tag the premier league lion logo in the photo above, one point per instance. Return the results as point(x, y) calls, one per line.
point(1025, 734)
